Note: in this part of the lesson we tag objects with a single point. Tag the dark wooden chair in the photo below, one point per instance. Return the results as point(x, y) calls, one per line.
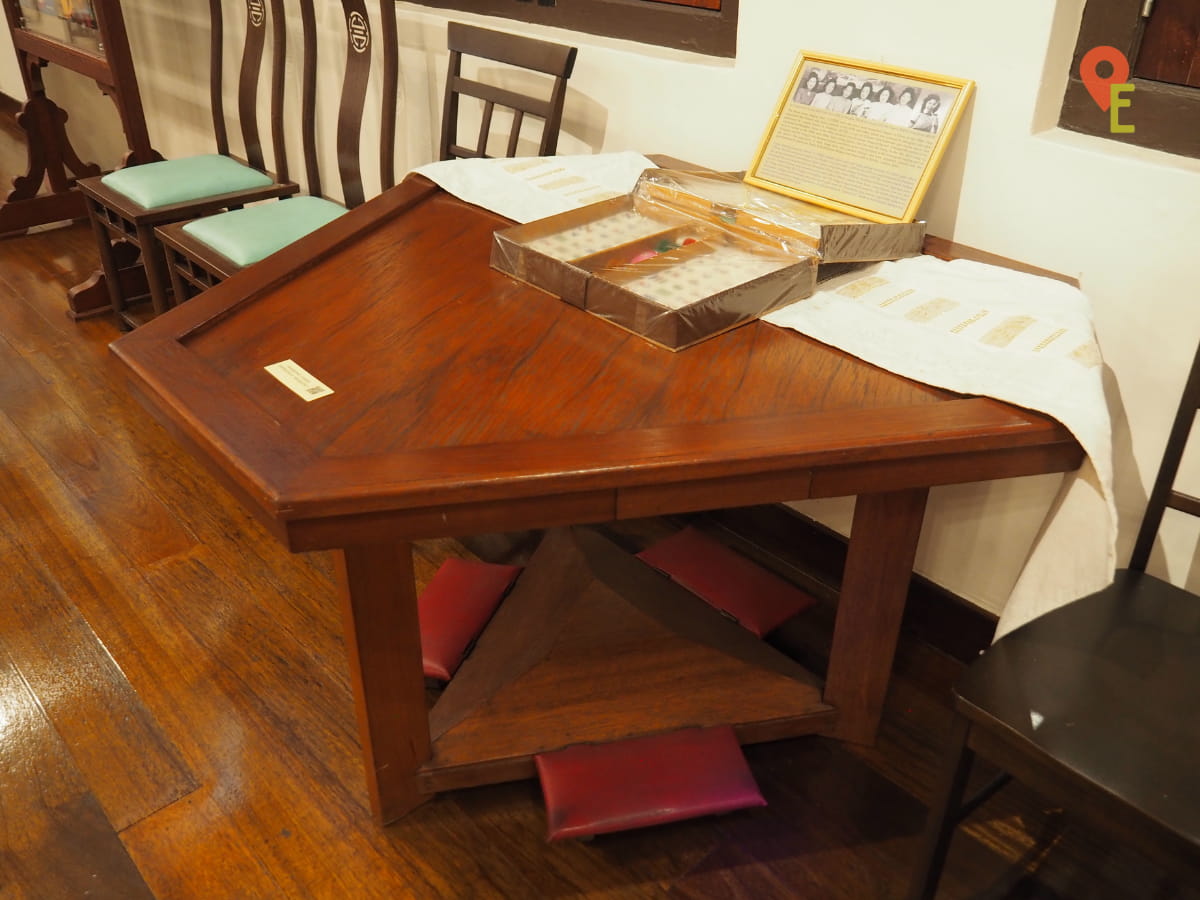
point(202, 253)
point(1093, 705)
point(126, 205)
point(551, 59)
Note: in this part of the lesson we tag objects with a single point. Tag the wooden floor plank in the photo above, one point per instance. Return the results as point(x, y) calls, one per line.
point(55, 839)
point(113, 494)
point(130, 765)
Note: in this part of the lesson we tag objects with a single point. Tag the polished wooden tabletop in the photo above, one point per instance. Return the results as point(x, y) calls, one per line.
point(457, 386)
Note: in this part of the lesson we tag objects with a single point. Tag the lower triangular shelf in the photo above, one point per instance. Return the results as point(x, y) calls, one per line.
point(593, 645)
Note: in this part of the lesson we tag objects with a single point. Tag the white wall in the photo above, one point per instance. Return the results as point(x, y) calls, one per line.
point(10, 72)
point(1123, 220)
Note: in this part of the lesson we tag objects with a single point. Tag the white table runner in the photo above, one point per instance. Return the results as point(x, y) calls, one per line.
point(535, 187)
point(1024, 339)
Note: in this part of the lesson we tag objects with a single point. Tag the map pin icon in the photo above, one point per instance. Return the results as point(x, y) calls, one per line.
point(1097, 85)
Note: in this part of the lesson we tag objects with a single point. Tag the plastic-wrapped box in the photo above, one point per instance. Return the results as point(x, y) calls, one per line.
point(559, 254)
point(670, 277)
point(744, 209)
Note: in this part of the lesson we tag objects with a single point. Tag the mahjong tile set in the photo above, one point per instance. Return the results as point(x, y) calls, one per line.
point(689, 255)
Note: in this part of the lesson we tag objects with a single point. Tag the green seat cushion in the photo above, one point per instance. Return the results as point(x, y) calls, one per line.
point(181, 180)
point(254, 233)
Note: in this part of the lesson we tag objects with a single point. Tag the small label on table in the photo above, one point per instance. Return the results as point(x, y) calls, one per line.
point(298, 381)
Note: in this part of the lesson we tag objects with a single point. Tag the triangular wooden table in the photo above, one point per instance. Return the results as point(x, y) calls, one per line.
point(466, 402)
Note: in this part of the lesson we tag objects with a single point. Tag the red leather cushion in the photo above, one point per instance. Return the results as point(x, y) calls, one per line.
point(599, 788)
point(756, 598)
point(454, 607)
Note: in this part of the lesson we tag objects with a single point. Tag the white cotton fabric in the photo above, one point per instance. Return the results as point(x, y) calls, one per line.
point(984, 330)
point(530, 188)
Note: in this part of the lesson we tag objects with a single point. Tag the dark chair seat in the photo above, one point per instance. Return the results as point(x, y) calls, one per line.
point(1106, 692)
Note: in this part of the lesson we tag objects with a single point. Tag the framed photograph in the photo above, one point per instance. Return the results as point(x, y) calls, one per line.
point(859, 137)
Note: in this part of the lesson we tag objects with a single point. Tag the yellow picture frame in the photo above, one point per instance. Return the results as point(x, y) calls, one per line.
point(843, 136)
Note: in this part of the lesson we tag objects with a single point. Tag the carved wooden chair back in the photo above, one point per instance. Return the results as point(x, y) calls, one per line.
point(1093, 705)
point(127, 205)
point(359, 38)
point(200, 257)
point(521, 52)
point(250, 73)
point(360, 35)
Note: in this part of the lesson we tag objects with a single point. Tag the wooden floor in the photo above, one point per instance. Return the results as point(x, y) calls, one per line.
point(176, 719)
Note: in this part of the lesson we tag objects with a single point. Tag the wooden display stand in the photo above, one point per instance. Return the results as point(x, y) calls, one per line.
point(93, 42)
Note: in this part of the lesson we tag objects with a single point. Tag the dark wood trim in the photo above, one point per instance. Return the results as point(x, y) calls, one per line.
point(53, 161)
point(711, 32)
point(1170, 48)
point(391, 88)
point(1164, 116)
point(308, 101)
point(253, 50)
point(359, 38)
point(87, 64)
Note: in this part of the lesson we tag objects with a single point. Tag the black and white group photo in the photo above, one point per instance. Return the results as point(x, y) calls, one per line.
point(879, 100)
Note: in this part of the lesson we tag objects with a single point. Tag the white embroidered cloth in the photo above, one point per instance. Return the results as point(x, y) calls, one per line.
point(534, 187)
point(979, 329)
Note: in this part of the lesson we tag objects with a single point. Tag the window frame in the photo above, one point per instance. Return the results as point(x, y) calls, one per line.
point(1164, 116)
point(664, 24)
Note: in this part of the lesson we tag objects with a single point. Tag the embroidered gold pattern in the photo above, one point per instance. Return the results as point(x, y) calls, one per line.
point(969, 321)
point(861, 286)
point(1049, 339)
point(1006, 332)
point(931, 309)
point(895, 298)
point(1087, 355)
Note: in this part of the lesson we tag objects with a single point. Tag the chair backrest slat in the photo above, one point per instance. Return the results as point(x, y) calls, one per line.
point(391, 91)
point(1184, 503)
point(308, 98)
point(513, 49)
point(1162, 494)
point(490, 93)
point(252, 57)
point(354, 95)
point(545, 57)
point(278, 60)
point(216, 20)
point(518, 118)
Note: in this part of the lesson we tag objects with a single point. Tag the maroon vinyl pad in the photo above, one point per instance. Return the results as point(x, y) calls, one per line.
point(454, 608)
point(755, 597)
point(598, 788)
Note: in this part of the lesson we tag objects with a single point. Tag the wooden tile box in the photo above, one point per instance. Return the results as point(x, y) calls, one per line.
point(559, 254)
point(684, 293)
point(684, 296)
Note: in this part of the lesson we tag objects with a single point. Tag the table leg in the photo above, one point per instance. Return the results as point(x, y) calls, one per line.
point(383, 641)
point(883, 544)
